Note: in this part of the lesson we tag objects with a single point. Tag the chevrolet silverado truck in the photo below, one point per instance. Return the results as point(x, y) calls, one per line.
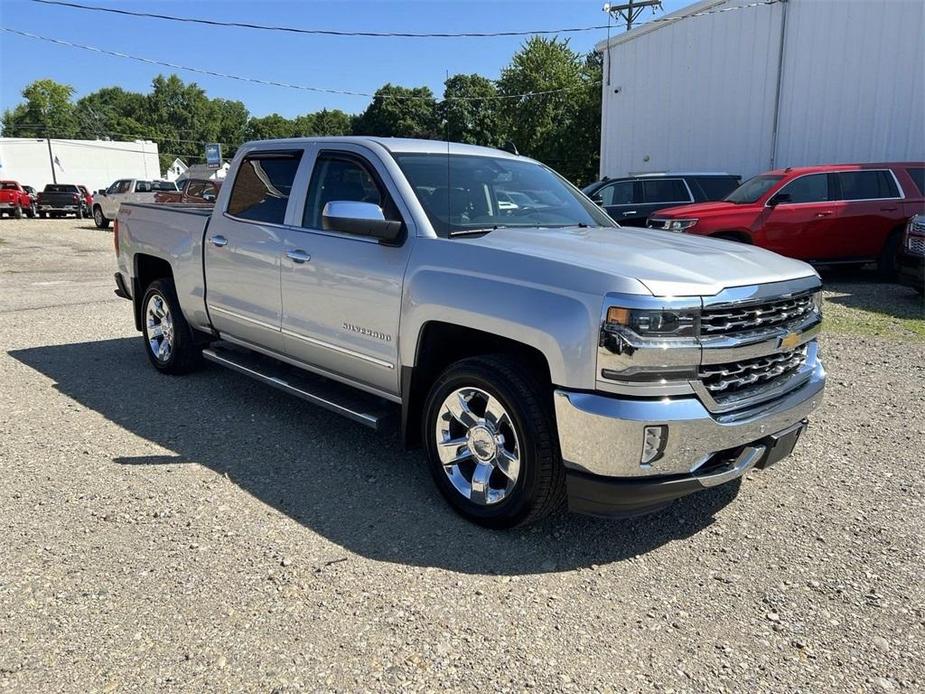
point(60, 199)
point(537, 352)
point(15, 200)
point(106, 204)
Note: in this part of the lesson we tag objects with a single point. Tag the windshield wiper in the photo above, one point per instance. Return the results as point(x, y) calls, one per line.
point(484, 230)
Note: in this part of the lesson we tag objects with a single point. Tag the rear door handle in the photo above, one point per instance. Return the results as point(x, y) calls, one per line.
point(627, 214)
point(219, 241)
point(823, 214)
point(888, 209)
point(298, 256)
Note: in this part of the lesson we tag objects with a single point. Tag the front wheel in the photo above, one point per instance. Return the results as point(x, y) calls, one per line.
point(886, 263)
point(31, 212)
point(17, 213)
point(491, 442)
point(98, 218)
point(168, 338)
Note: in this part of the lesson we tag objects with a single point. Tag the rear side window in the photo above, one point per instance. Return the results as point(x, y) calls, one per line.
point(812, 188)
point(664, 190)
point(620, 193)
point(343, 179)
point(262, 186)
point(142, 186)
point(867, 185)
point(918, 177)
point(717, 187)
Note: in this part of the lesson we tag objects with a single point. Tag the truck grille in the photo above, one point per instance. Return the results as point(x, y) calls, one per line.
point(731, 379)
point(732, 320)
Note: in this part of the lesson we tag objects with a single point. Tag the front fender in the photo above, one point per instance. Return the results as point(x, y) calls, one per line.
point(562, 326)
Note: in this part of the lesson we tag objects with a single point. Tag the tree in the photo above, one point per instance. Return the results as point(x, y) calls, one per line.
point(47, 112)
point(470, 112)
point(545, 126)
point(114, 113)
point(400, 112)
point(181, 116)
point(232, 118)
point(334, 122)
point(272, 127)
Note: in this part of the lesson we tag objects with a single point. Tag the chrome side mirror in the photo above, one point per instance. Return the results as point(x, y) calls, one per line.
point(359, 218)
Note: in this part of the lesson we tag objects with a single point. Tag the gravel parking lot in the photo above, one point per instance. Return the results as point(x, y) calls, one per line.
point(209, 533)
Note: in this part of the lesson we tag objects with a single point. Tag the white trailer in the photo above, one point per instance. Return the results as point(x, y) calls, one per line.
point(777, 84)
point(93, 163)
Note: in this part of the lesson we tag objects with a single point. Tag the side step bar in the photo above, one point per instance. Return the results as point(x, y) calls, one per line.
point(365, 408)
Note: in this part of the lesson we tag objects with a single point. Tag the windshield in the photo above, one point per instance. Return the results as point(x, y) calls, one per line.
point(463, 194)
point(8, 186)
point(752, 189)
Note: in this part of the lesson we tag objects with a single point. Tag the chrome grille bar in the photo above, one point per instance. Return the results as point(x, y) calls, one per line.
point(737, 319)
point(727, 379)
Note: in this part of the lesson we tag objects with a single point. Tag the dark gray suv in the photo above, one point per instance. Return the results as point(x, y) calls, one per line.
point(630, 200)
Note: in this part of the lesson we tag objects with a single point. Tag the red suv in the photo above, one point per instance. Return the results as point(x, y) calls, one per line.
point(837, 213)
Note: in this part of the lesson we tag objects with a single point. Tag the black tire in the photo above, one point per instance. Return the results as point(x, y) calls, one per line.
point(98, 218)
point(42, 215)
point(17, 212)
point(886, 262)
point(31, 212)
point(79, 214)
point(184, 355)
point(540, 485)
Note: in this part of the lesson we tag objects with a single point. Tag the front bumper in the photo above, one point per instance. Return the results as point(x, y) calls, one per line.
point(601, 437)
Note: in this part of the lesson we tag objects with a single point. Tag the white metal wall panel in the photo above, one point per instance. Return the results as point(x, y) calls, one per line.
point(853, 89)
point(92, 163)
point(699, 93)
point(688, 95)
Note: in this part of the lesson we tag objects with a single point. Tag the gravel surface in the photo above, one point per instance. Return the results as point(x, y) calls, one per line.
point(205, 533)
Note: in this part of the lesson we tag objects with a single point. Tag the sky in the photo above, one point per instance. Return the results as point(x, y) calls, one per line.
point(347, 63)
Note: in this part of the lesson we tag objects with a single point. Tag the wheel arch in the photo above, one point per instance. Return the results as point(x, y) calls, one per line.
point(147, 269)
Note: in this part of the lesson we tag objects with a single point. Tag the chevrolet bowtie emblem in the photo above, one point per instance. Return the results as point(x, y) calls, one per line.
point(790, 340)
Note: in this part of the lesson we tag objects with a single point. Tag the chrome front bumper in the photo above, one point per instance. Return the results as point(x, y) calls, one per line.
point(603, 435)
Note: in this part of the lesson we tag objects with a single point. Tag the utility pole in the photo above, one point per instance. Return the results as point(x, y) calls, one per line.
point(630, 10)
point(51, 160)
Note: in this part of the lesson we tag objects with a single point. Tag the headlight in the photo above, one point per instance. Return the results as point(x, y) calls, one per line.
point(680, 224)
point(653, 323)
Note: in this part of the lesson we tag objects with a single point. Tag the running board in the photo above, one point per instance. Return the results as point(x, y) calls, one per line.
point(365, 408)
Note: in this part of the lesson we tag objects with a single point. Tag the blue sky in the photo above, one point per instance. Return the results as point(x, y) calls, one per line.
point(356, 64)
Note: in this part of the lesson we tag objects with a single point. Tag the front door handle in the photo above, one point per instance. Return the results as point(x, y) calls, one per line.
point(888, 209)
point(219, 241)
point(298, 256)
point(627, 214)
point(823, 214)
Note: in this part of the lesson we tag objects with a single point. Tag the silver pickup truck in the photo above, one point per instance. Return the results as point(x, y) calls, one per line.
point(537, 350)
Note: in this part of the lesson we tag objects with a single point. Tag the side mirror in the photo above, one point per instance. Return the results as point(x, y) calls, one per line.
point(360, 218)
point(780, 198)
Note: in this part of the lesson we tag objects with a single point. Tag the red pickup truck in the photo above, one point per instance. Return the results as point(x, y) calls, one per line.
point(15, 200)
point(844, 213)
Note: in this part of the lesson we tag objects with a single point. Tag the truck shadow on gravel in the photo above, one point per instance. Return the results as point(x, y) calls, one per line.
point(355, 487)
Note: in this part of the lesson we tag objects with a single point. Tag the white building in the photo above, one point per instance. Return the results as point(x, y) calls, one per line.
point(180, 171)
point(93, 163)
point(785, 84)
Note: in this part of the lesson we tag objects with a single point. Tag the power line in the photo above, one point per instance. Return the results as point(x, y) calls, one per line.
point(320, 32)
point(274, 83)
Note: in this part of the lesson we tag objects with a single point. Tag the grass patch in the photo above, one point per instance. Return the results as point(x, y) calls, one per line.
point(879, 310)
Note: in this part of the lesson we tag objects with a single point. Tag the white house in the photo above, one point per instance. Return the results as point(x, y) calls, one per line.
point(785, 84)
point(179, 171)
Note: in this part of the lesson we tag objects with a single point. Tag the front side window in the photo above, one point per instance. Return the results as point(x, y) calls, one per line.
point(339, 178)
point(664, 190)
point(196, 189)
point(753, 189)
point(263, 185)
point(867, 185)
point(142, 186)
point(620, 193)
point(470, 194)
point(117, 187)
point(812, 188)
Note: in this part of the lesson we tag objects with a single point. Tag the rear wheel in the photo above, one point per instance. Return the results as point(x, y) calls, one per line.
point(491, 442)
point(17, 213)
point(98, 218)
point(168, 338)
point(31, 212)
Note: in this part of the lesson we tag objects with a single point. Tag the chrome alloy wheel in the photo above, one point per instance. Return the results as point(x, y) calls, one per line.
point(159, 324)
point(478, 446)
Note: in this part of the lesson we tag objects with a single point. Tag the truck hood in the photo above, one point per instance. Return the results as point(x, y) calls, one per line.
point(697, 209)
point(666, 263)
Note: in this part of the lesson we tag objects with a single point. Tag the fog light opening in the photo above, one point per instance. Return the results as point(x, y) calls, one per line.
point(654, 440)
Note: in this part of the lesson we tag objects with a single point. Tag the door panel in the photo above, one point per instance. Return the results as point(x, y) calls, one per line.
point(871, 210)
point(804, 226)
point(244, 249)
point(342, 293)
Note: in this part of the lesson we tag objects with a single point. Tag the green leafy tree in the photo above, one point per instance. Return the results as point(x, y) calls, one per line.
point(112, 113)
point(334, 122)
point(400, 112)
point(182, 116)
point(47, 112)
point(272, 127)
point(544, 126)
point(470, 111)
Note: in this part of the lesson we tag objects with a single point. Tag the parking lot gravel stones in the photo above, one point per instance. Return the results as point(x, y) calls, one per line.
point(205, 533)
